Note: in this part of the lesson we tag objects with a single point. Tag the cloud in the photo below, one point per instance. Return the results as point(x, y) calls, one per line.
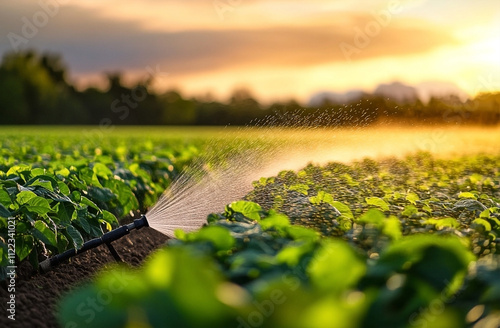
point(91, 42)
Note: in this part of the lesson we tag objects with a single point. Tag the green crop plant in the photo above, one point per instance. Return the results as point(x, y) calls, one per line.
point(62, 189)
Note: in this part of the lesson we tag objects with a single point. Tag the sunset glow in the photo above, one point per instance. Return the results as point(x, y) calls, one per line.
point(276, 49)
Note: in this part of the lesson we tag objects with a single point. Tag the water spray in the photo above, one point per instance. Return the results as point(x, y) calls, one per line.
point(203, 189)
point(106, 239)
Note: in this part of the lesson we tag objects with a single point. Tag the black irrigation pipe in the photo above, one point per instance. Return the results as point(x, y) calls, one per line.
point(106, 238)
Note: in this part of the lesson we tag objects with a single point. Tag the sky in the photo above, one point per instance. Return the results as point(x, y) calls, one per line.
point(276, 49)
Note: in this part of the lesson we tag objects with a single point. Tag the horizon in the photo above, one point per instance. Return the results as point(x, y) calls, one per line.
point(294, 51)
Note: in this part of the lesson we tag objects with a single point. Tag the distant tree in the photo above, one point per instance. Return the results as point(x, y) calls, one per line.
point(212, 113)
point(177, 110)
point(14, 107)
point(33, 82)
point(37, 87)
point(243, 107)
point(97, 105)
point(55, 66)
point(34, 89)
point(282, 113)
point(488, 107)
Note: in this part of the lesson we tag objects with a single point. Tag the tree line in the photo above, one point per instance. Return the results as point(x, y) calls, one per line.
point(34, 89)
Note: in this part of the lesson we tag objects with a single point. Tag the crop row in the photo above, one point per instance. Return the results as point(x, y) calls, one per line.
point(64, 191)
point(419, 194)
point(400, 243)
point(253, 268)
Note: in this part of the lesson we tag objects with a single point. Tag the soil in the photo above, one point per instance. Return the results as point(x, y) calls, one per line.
point(37, 294)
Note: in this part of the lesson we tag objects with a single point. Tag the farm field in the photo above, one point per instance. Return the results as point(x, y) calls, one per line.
point(376, 227)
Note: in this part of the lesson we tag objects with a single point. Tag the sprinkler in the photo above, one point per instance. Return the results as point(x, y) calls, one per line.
point(106, 238)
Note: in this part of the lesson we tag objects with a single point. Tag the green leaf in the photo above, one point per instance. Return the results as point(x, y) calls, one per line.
point(24, 245)
point(343, 209)
point(103, 195)
point(379, 202)
point(486, 214)
point(443, 223)
point(397, 195)
point(24, 196)
point(412, 198)
point(160, 294)
point(43, 183)
point(125, 196)
point(4, 260)
point(75, 237)
point(102, 171)
point(438, 262)
point(249, 209)
point(373, 216)
point(219, 237)
point(22, 227)
point(65, 212)
point(264, 181)
point(63, 188)
point(466, 195)
point(41, 180)
point(63, 172)
point(5, 198)
point(37, 171)
point(76, 196)
point(180, 234)
point(38, 205)
point(84, 224)
point(292, 254)
point(427, 208)
point(275, 220)
point(476, 178)
point(62, 243)
point(392, 228)
point(300, 187)
point(350, 180)
point(18, 169)
point(89, 177)
point(109, 218)
point(4, 212)
point(322, 197)
point(302, 233)
point(76, 183)
point(409, 210)
point(481, 224)
point(43, 233)
point(88, 202)
point(335, 267)
point(95, 181)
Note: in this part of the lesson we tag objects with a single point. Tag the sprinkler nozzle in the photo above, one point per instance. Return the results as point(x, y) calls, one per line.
point(106, 238)
point(139, 223)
